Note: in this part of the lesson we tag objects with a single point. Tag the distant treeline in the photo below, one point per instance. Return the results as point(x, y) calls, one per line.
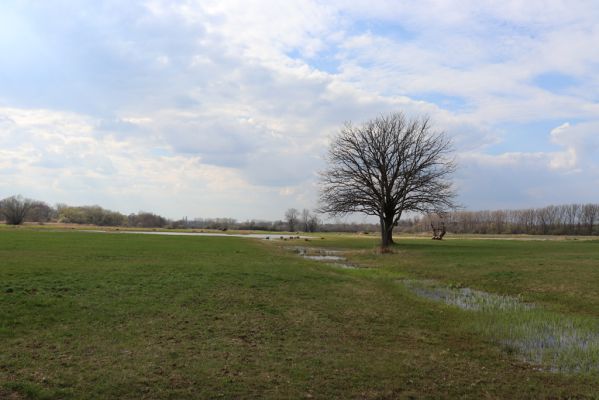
point(569, 219)
point(16, 210)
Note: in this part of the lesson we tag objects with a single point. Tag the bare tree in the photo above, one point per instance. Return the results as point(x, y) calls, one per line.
point(385, 167)
point(590, 213)
point(292, 218)
point(306, 220)
point(15, 209)
point(313, 223)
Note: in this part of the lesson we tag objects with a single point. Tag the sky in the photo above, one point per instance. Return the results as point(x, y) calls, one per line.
point(225, 108)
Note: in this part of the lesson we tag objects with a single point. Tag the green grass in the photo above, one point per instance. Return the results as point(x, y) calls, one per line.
point(562, 275)
point(96, 316)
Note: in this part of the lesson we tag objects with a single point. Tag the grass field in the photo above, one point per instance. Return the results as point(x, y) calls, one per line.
point(96, 316)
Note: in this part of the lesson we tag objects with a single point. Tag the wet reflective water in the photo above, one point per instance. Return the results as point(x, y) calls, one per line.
point(325, 258)
point(214, 234)
point(331, 257)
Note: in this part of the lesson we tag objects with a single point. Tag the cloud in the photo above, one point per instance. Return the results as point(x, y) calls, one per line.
point(226, 107)
point(521, 179)
point(581, 144)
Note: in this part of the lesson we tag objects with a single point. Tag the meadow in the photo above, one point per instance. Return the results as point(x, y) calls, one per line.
point(95, 316)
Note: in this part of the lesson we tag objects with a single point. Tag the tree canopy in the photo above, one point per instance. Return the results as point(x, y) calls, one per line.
point(385, 167)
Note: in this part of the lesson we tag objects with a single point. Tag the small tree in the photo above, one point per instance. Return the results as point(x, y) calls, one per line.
point(313, 223)
point(309, 221)
point(306, 216)
point(292, 218)
point(385, 167)
point(14, 209)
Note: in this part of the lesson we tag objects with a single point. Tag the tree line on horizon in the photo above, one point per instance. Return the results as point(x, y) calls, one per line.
point(16, 210)
point(565, 219)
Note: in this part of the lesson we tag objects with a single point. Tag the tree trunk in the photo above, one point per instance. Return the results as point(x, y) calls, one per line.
point(386, 233)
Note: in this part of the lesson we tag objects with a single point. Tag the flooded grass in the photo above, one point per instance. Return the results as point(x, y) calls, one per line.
point(466, 298)
point(555, 342)
point(559, 343)
point(313, 251)
point(331, 257)
point(325, 258)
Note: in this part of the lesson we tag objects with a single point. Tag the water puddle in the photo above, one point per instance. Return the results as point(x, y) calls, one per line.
point(209, 234)
point(557, 342)
point(325, 258)
point(331, 257)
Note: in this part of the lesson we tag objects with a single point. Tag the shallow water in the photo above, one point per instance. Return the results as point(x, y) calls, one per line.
point(213, 234)
point(325, 258)
point(465, 298)
point(331, 257)
point(313, 251)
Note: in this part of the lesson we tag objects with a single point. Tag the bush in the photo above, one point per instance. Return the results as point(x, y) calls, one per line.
point(15, 209)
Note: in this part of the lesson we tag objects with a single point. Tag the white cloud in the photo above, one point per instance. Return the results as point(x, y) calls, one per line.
point(580, 143)
point(225, 107)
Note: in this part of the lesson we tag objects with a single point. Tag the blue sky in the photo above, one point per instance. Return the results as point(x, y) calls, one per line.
point(225, 108)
